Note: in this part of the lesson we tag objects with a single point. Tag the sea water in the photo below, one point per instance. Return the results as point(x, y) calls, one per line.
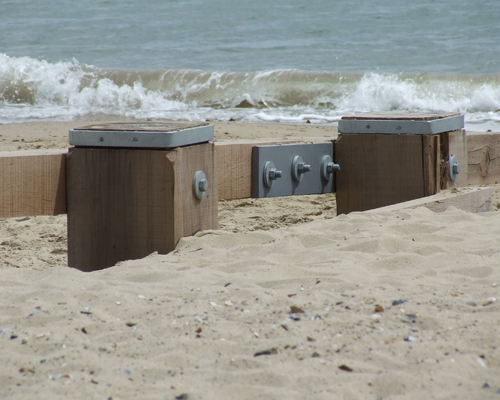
point(292, 61)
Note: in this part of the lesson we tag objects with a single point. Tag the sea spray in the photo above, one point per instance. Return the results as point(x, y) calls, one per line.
point(32, 89)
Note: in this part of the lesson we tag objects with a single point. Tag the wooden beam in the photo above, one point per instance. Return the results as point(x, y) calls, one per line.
point(471, 199)
point(484, 158)
point(32, 183)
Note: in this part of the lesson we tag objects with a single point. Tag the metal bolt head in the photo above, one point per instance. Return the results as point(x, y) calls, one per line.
point(200, 185)
point(299, 168)
point(203, 185)
point(270, 174)
point(328, 167)
point(274, 174)
point(454, 168)
point(331, 166)
point(303, 168)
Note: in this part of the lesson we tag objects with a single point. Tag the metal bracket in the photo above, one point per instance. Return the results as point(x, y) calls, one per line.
point(295, 169)
point(454, 168)
point(200, 184)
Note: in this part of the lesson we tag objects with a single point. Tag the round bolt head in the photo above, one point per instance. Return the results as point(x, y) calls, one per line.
point(299, 168)
point(454, 168)
point(328, 167)
point(200, 184)
point(270, 174)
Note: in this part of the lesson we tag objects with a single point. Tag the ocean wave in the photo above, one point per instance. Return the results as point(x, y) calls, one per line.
point(37, 89)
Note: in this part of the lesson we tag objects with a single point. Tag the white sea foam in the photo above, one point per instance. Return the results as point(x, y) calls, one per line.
point(31, 89)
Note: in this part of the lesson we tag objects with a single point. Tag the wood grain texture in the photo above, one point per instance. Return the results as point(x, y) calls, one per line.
point(475, 200)
point(128, 203)
point(32, 183)
point(457, 145)
point(483, 159)
point(378, 170)
point(191, 214)
point(431, 163)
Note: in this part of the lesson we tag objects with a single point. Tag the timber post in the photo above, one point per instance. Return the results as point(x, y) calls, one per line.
point(137, 188)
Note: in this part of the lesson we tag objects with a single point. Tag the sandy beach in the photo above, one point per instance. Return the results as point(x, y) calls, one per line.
point(285, 301)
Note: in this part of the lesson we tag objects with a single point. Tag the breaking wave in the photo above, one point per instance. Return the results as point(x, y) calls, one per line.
point(32, 89)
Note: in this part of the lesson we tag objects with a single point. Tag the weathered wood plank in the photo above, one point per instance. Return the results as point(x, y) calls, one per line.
point(472, 199)
point(127, 203)
point(483, 158)
point(457, 144)
point(32, 183)
point(193, 215)
point(431, 162)
point(377, 170)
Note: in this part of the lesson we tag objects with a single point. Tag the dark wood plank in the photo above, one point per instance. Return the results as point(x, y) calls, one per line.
point(128, 203)
point(431, 162)
point(377, 170)
point(120, 206)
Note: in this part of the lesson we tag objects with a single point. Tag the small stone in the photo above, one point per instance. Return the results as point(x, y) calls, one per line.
point(267, 352)
point(379, 309)
point(315, 354)
point(489, 301)
point(471, 303)
point(347, 368)
point(296, 310)
point(410, 338)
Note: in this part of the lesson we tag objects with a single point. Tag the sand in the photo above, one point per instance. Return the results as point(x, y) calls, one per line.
point(392, 305)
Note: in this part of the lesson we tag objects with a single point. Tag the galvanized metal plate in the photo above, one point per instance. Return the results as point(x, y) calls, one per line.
point(403, 124)
point(163, 135)
point(281, 158)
